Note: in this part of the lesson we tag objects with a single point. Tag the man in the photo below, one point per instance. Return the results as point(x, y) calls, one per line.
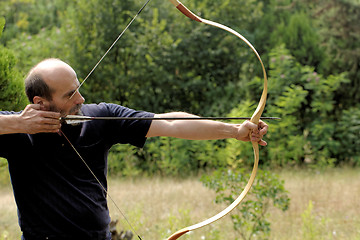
point(56, 195)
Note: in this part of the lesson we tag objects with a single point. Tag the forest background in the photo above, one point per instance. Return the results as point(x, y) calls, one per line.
point(166, 62)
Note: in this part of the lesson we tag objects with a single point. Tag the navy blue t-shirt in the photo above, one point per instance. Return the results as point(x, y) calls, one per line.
point(56, 195)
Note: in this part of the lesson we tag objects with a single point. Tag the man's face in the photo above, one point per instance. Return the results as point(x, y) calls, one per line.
point(63, 82)
point(67, 100)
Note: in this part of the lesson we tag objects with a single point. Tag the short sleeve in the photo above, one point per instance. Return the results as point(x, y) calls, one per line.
point(121, 131)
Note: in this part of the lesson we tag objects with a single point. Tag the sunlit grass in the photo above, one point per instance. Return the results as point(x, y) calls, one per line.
point(157, 207)
point(335, 196)
point(8, 215)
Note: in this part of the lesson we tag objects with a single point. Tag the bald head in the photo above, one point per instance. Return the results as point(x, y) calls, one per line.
point(45, 77)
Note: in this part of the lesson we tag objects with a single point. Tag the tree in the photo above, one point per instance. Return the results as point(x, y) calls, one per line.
point(11, 84)
point(338, 25)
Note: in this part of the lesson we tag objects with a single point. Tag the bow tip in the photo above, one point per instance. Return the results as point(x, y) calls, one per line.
point(178, 234)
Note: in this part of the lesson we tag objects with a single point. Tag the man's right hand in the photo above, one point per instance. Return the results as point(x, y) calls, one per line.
point(36, 120)
point(32, 120)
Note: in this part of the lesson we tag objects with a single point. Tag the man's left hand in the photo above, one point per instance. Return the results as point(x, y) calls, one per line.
point(257, 132)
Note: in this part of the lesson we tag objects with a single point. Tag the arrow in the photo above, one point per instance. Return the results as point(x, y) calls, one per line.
point(76, 119)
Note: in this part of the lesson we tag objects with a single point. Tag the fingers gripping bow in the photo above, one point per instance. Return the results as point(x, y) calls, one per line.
point(254, 119)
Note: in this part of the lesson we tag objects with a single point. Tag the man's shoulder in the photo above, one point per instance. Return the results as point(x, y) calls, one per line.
point(100, 109)
point(108, 110)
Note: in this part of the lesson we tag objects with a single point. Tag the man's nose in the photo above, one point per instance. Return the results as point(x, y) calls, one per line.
point(79, 99)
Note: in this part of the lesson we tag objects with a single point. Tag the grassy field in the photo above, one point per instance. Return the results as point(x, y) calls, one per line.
point(324, 205)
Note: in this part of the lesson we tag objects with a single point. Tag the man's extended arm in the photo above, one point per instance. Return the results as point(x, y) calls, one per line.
point(31, 120)
point(205, 129)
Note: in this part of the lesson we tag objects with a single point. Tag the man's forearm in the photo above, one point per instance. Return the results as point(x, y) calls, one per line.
point(203, 130)
point(191, 129)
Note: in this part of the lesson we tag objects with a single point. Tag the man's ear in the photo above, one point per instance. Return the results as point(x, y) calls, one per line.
point(42, 102)
point(38, 100)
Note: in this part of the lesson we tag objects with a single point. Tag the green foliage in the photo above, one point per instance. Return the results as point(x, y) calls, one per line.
point(92, 26)
point(2, 24)
point(148, 68)
point(123, 159)
point(31, 16)
point(250, 217)
point(309, 221)
point(307, 133)
point(12, 95)
point(305, 100)
point(300, 37)
point(289, 147)
point(31, 49)
point(165, 62)
point(347, 134)
point(166, 157)
point(175, 221)
point(4, 173)
point(338, 24)
point(312, 227)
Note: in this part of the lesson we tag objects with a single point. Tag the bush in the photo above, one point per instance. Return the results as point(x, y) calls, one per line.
point(249, 218)
point(12, 95)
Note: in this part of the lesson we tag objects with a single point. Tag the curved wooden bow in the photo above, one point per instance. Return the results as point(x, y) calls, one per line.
point(254, 119)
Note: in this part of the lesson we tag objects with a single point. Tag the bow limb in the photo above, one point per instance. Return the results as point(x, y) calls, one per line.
point(254, 119)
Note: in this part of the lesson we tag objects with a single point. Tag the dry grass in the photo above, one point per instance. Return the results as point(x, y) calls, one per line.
point(8, 215)
point(335, 195)
point(156, 207)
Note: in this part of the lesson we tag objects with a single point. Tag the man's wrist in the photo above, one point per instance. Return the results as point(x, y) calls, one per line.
point(10, 124)
point(233, 130)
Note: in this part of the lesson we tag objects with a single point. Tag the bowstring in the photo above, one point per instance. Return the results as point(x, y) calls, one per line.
point(101, 185)
point(112, 45)
point(77, 89)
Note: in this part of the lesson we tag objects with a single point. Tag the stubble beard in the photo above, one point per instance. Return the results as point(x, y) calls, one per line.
point(76, 110)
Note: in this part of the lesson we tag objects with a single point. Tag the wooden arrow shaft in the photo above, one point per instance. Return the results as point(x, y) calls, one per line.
point(78, 119)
